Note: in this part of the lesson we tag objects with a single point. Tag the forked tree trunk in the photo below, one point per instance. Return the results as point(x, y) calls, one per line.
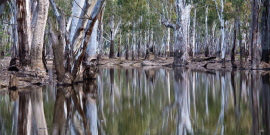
point(80, 36)
point(180, 32)
point(114, 30)
point(31, 22)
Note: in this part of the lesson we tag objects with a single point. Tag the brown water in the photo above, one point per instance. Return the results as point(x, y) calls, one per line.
point(143, 101)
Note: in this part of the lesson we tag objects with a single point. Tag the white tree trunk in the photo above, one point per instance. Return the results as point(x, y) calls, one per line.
point(76, 13)
point(91, 50)
point(38, 37)
point(206, 46)
point(168, 42)
point(194, 34)
point(220, 13)
point(183, 15)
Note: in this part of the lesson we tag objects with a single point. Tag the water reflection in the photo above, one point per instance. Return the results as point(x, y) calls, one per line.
point(143, 101)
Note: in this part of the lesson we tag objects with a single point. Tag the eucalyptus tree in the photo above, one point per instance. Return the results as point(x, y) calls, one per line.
point(80, 27)
point(254, 46)
point(112, 7)
point(31, 21)
point(220, 11)
point(265, 21)
point(180, 28)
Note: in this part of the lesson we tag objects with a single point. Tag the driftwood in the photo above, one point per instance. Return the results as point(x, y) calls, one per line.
point(156, 63)
point(203, 59)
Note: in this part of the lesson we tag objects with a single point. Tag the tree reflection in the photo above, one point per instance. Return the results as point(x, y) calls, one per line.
point(31, 119)
point(90, 105)
point(144, 101)
point(255, 84)
point(59, 117)
point(265, 93)
point(182, 97)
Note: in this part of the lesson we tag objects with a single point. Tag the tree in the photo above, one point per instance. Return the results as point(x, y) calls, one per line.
point(31, 28)
point(220, 12)
point(254, 47)
point(113, 29)
point(82, 26)
point(180, 28)
point(265, 30)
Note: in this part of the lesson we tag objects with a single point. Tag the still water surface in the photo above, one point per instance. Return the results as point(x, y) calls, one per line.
point(141, 102)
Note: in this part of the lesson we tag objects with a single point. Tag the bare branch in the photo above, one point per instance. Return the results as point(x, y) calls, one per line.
point(55, 11)
point(117, 27)
point(168, 24)
point(80, 7)
point(154, 9)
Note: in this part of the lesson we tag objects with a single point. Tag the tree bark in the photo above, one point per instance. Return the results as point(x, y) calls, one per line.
point(180, 33)
point(220, 13)
point(265, 31)
point(113, 30)
point(254, 35)
point(24, 33)
point(240, 38)
point(194, 34)
point(57, 46)
point(233, 47)
point(38, 37)
point(111, 55)
point(118, 47)
point(206, 46)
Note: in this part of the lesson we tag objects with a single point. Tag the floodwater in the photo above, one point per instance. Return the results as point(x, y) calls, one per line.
point(143, 102)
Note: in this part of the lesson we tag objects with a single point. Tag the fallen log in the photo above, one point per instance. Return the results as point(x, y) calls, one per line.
point(203, 59)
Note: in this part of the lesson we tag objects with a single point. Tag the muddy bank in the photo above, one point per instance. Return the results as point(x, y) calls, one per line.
point(199, 63)
point(28, 78)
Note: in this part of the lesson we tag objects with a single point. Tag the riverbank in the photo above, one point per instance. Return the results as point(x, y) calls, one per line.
point(203, 64)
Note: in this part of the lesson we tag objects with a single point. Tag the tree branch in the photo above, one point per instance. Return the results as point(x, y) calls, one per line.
point(55, 11)
point(168, 24)
point(117, 27)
